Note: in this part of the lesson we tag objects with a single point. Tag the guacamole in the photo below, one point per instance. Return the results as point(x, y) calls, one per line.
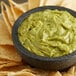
point(49, 33)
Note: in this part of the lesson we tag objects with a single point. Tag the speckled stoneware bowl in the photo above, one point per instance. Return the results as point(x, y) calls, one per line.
point(34, 60)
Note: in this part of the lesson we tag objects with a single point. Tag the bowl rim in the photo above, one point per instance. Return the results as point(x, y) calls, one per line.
point(23, 50)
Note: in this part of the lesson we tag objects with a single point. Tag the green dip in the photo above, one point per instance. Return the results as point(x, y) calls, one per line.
point(50, 33)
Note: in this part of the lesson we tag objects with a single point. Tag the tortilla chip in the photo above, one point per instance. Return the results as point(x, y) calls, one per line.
point(42, 2)
point(9, 53)
point(53, 2)
point(9, 64)
point(22, 6)
point(16, 12)
point(5, 38)
point(14, 68)
point(55, 74)
point(9, 13)
point(3, 73)
point(75, 73)
point(33, 3)
point(67, 3)
point(17, 70)
point(5, 17)
point(73, 7)
point(2, 61)
point(20, 74)
point(67, 74)
point(36, 71)
point(71, 70)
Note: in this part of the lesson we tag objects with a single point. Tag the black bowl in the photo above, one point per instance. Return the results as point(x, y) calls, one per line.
point(58, 63)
